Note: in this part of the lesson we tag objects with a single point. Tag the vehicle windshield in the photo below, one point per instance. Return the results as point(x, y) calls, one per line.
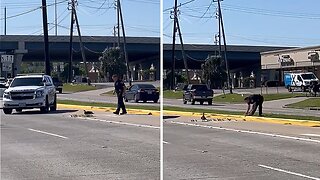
point(146, 86)
point(200, 87)
point(308, 76)
point(32, 81)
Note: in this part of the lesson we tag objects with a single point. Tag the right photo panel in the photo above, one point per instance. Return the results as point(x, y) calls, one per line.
point(241, 89)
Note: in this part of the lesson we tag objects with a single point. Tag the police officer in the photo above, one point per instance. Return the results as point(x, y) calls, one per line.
point(119, 88)
point(256, 100)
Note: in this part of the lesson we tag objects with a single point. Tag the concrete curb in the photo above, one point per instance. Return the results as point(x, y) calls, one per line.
point(308, 123)
point(109, 109)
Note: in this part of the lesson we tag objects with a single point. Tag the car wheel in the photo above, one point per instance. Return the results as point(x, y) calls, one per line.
point(7, 111)
point(54, 105)
point(155, 101)
point(125, 99)
point(144, 101)
point(19, 110)
point(210, 102)
point(60, 91)
point(201, 102)
point(136, 99)
point(193, 101)
point(45, 109)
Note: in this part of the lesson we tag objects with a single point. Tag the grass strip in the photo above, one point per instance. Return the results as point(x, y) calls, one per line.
point(97, 104)
point(238, 98)
point(77, 88)
point(308, 103)
point(284, 116)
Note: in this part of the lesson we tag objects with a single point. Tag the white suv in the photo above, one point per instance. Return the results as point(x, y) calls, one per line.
point(28, 92)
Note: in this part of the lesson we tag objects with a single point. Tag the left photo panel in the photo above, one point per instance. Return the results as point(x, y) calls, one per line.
point(80, 89)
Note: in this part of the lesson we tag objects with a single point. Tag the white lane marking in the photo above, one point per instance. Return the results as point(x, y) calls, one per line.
point(289, 172)
point(56, 135)
point(249, 132)
point(124, 123)
point(165, 142)
point(313, 135)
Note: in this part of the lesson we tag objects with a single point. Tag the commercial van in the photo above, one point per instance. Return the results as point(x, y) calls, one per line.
point(300, 80)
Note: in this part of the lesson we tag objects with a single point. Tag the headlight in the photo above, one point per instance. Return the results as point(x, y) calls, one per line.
point(39, 93)
point(6, 95)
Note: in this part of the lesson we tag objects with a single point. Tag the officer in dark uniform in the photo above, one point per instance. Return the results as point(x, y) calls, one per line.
point(119, 88)
point(256, 100)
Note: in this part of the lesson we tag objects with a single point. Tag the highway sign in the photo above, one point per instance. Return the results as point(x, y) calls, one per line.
point(7, 58)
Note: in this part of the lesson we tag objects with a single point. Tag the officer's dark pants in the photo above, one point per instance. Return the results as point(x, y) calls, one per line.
point(121, 104)
point(255, 106)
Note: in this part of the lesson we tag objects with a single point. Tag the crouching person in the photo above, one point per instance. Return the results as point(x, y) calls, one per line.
point(256, 100)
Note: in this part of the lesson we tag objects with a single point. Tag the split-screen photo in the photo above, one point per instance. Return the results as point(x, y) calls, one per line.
point(163, 90)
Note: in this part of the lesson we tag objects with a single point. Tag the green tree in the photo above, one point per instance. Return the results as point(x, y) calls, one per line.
point(112, 62)
point(213, 73)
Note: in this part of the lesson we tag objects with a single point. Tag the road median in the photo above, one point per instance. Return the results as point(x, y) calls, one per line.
point(228, 117)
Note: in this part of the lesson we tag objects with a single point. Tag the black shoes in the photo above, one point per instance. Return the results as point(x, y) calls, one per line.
point(117, 113)
point(123, 113)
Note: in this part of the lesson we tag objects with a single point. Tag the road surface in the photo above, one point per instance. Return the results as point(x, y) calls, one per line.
point(240, 150)
point(56, 146)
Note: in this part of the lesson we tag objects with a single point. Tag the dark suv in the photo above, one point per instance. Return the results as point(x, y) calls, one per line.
point(197, 92)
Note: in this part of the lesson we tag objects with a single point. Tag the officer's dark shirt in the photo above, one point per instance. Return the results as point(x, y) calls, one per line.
point(255, 98)
point(118, 86)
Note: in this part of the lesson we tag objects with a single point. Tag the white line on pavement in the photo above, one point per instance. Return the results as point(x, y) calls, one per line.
point(313, 135)
point(56, 135)
point(289, 172)
point(124, 123)
point(249, 132)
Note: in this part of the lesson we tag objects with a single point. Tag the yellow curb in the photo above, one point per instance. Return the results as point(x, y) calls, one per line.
point(109, 109)
point(308, 123)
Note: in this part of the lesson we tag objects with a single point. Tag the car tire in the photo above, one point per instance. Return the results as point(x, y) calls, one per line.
point(193, 101)
point(144, 101)
point(7, 111)
point(54, 105)
point(125, 99)
point(136, 99)
point(210, 102)
point(201, 102)
point(156, 100)
point(60, 91)
point(19, 110)
point(45, 109)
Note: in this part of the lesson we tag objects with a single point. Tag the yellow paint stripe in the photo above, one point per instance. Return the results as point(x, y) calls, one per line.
point(301, 122)
point(109, 109)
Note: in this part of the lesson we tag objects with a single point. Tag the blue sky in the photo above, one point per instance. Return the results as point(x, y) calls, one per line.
point(249, 22)
point(96, 17)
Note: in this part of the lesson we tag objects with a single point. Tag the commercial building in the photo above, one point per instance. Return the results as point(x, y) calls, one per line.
point(275, 63)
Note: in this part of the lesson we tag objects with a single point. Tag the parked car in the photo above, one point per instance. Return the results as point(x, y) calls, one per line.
point(197, 92)
point(58, 84)
point(142, 92)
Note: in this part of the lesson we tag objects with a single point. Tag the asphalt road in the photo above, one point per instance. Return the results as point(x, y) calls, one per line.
point(54, 146)
point(240, 150)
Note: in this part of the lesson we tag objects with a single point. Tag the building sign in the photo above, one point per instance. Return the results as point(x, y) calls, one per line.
point(286, 60)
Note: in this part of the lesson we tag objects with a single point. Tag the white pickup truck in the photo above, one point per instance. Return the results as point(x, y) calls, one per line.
point(28, 92)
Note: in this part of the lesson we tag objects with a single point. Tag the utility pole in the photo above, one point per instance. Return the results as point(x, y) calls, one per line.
point(118, 21)
point(55, 17)
point(124, 44)
point(5, 20)
point(225, 47)
point(183, 53)
point(71, 7)
point(174, 45)
point(82, 47)
point(46, 38)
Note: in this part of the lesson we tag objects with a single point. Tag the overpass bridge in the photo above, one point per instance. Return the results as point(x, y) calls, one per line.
point(142, 51)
